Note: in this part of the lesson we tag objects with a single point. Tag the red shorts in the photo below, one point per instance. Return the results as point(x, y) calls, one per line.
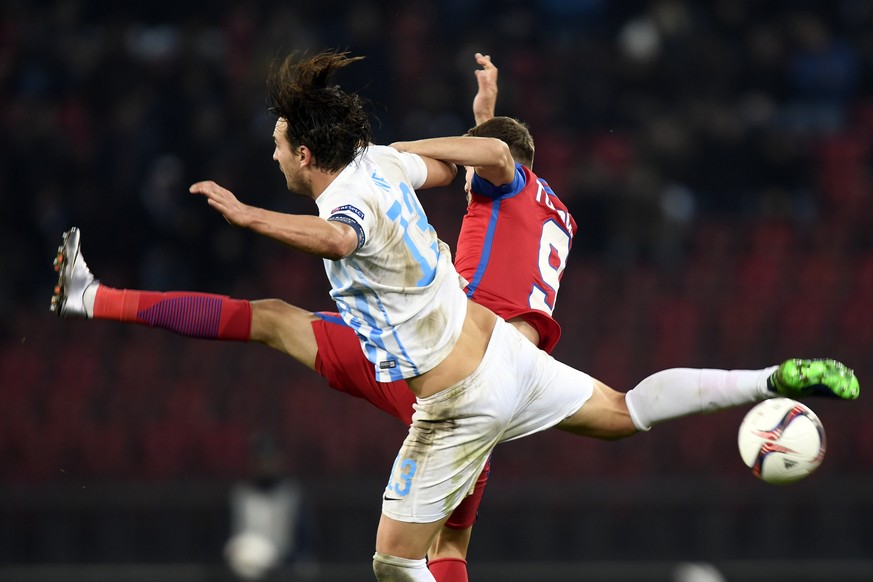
point(341, 361)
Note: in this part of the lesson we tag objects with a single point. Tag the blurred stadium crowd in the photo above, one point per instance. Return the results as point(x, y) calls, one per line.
point(716, 155)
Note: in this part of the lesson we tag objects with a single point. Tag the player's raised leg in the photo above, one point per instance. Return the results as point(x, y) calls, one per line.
point(79, 294)
point(285, 328)
point(679, 392)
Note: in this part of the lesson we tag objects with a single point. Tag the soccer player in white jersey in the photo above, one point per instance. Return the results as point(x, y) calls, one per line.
point(499, 252)
point(477, 380)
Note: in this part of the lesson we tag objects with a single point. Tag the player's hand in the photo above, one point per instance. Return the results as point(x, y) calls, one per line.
point(485, 101)
point(224, 201)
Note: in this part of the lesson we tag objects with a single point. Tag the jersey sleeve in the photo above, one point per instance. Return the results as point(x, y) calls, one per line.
point(415, 168)
point(481, 186)
point(348, 208)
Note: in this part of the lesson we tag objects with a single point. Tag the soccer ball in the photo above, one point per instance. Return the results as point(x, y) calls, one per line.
point(781, 440)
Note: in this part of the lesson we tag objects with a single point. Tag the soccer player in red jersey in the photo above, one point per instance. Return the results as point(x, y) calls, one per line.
point(515, 239)
point(512, 250)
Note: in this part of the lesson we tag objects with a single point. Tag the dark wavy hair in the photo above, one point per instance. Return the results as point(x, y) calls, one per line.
point(511, 131)
point(320, 116)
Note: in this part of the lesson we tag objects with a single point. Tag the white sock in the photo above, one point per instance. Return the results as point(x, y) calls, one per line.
point(394, 569)
point(88, 298)
point(682, 391)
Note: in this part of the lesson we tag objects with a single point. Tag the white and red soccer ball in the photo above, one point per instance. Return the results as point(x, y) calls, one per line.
point(781, 440)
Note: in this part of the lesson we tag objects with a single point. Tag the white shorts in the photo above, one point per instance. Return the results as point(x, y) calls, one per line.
point(515, 391)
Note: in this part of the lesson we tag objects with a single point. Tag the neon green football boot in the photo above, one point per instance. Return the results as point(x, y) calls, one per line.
point(800, 378)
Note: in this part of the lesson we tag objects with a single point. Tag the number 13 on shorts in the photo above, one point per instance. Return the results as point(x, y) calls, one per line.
point(401, 477)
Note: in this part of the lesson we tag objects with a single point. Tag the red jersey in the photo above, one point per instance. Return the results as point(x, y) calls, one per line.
point(513, 248)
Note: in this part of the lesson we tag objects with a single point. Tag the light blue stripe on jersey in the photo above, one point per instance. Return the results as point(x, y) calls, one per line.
point(375, 345)
point(373, 332)
point(340, 282)
point(365, 325)
point(395, 373)
point(428, 272)
point(375, 336)
point(370, 351)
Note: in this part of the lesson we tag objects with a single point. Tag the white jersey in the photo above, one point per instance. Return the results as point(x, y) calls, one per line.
point(399, 290)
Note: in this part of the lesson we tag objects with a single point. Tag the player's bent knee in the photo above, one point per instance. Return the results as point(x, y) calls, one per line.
point(392, 568)
point(604, 416)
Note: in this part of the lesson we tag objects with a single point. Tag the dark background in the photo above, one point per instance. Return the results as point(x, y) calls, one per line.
point(716, 156)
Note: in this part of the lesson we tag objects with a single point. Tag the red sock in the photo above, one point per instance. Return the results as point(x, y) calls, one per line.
point(448, 569)
point(201, 315)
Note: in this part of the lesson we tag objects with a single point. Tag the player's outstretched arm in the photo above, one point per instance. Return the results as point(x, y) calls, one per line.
point(485, 101)
point(489, 156)
point(310, 234)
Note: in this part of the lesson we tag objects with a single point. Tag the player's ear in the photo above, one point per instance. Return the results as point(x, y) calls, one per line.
point(304, 156)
